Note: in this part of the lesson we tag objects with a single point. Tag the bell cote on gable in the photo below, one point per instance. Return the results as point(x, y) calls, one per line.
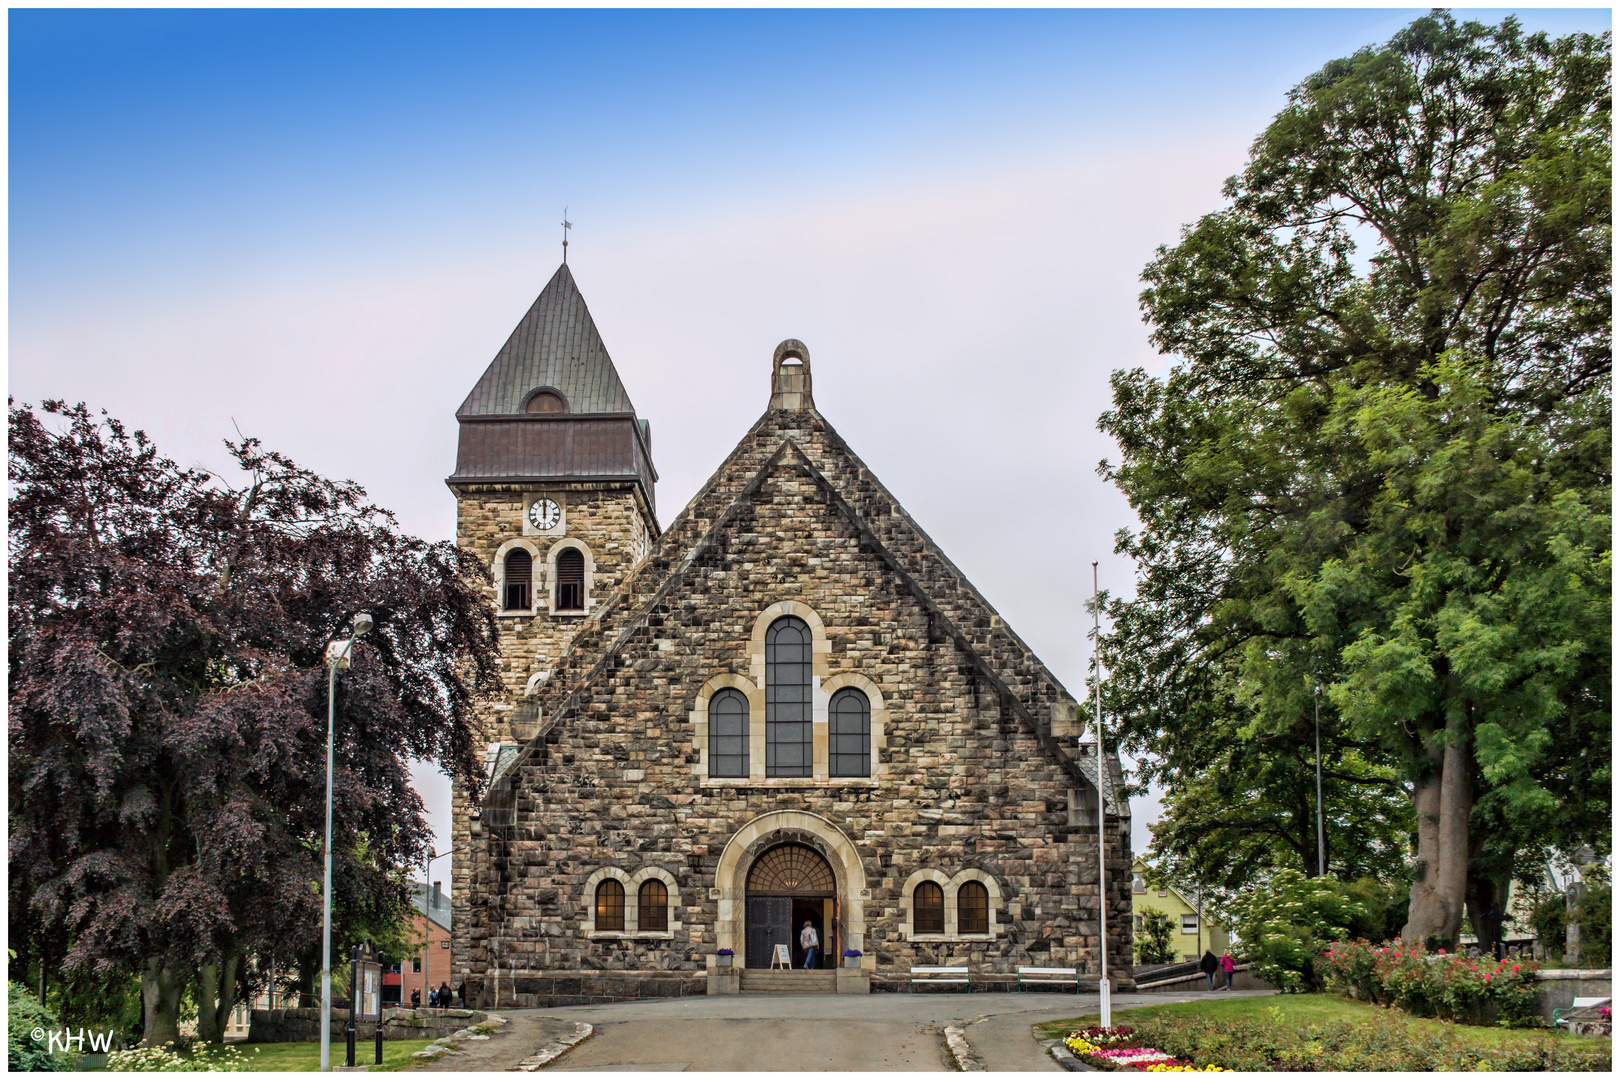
point(790, 377)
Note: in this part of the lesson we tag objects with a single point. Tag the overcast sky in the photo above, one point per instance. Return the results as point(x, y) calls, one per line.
point(320, 226)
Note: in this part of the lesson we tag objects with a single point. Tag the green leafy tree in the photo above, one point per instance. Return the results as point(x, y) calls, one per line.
point(1382, 461)
point(25, 1014)
point(168, 705)
point(1287, 924)
point(1153, 940)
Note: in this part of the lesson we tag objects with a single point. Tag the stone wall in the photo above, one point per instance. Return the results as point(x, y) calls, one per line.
point(970, 775)
point(1557, 988)
point(304, 1025)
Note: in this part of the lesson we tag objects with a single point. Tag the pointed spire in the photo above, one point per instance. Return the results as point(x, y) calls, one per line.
point(555, 347)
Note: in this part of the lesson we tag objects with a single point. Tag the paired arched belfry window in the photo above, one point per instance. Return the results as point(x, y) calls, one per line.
point(518, 576)
point(849, 734)
point(571, 580)
point(728, 734)
point(610, 905)
point(927, 909)
point(652, 906)
point(787, 698)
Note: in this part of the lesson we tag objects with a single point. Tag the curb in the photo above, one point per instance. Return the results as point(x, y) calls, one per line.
point(553, 1051)
point(1065, 1057)
point(956, 1041)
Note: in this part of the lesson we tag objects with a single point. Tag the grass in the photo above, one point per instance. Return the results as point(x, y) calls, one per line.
point(1301, 1009)
point(306, 1056)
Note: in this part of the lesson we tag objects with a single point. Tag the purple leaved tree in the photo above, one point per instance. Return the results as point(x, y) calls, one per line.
point(168, 705)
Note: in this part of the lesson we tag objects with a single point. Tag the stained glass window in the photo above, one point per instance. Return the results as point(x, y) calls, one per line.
point(791, 870)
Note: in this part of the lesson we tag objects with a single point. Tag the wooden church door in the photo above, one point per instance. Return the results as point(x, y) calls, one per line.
point(770, 923)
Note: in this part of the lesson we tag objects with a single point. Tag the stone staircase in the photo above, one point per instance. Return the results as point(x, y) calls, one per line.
point(778, 981)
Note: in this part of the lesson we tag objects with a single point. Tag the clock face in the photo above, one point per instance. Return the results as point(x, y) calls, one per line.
point(544, 514)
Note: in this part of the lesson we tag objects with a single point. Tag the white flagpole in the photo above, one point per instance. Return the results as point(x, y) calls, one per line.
point(1104, 1005)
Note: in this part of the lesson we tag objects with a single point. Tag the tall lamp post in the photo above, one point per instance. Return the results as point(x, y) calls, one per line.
point(1103, 1004)
point(427, 915)
point(337, 656)
point(1321, 843)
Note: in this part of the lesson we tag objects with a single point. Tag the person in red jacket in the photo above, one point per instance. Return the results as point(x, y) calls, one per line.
point(1228, 965)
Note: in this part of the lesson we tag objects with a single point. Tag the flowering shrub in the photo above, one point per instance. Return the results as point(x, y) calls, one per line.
point(1288, 922)
point(168, 1059)
point(1456, 988)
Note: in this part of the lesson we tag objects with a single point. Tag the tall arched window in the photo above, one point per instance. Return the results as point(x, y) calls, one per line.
point(652, 906)
point(849, 734)
point(927, 909)
point(571, 580)
point(787, 698)
point(519, 572)
point(972, 908)
point(728, 734)
point(610, 905)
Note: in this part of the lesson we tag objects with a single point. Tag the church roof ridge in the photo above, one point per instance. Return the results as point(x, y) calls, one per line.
point(554, 345)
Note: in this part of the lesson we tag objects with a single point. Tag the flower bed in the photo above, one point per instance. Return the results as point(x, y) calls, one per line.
point(1461, 989)
point(1120, 1048)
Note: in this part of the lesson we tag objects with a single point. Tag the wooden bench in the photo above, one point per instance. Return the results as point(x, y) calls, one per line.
point(930, 975)
point(1059, 976)
point(1578, 1003)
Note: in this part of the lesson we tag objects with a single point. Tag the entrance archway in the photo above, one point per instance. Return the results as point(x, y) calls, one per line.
point(788, 886)
point(771, 830)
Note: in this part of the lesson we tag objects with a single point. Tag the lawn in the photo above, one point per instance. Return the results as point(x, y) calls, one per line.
point(1289, 1023)
point(306, 1056)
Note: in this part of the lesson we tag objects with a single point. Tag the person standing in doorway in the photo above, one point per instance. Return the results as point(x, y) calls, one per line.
point(1208, 966)
point(810, 943)
point(1228, 965)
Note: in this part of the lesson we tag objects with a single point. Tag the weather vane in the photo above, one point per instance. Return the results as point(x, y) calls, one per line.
point(566, 226)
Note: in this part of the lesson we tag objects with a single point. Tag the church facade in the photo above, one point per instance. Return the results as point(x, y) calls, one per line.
point(786, 708)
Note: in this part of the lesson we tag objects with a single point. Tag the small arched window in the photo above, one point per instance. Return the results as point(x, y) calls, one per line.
point(571, 580)
point(545, 402)
point(972, 908)
point(787, 698)
point(652, 906)
point(849, 735)
point(728, 734)
point(927, 909)
point(610, 905)
point(518, 575)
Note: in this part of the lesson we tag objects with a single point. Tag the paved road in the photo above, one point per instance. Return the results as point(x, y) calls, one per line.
point(782, 1033)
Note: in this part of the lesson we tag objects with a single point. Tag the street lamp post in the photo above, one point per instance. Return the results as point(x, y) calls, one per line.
point(337, 655)
point(1321, 844)
point(427, 916)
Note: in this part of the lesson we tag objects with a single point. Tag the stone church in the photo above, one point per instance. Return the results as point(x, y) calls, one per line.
point(787, 707)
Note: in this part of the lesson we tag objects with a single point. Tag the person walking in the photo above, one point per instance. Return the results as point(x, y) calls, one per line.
point(416, 997)
point(444, 995)
point(1228, 965)
point(810, 943)
point(1208, 966)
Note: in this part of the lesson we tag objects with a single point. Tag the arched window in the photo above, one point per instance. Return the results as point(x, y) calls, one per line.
point(787, 698)
point(571, 580)
point(610, 905)
point(972, 908)
point(927, 909)
point(728, 734)
point(849, 734)
point(519, 574)
point(545, 402)
point(652, 906)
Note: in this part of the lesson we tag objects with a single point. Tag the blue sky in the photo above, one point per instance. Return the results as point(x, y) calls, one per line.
point(321, 225)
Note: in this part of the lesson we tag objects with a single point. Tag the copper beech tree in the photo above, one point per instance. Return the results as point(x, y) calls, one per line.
point(168, 705)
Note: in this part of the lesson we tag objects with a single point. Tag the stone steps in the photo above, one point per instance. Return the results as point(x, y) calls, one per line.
point(763, 981)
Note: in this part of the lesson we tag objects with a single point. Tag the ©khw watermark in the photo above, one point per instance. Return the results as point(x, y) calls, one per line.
point(65, 1041)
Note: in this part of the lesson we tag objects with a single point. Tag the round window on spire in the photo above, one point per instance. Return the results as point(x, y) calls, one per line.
point(545, 401)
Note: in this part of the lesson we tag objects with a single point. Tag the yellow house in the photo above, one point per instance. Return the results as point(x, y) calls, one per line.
point(1192, 933)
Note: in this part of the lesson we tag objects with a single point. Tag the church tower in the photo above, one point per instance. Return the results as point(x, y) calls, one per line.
point(554, 493)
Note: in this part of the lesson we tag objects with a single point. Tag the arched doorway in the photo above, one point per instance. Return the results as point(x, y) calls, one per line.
point(788, 885)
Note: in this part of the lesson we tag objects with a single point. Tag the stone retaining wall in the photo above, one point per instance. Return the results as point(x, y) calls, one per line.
point(1561, 986)
point(1242, 979)
point(304, 1025)
point(542, 990)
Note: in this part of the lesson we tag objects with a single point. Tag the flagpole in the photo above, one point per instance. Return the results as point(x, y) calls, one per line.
point(1104, 1005)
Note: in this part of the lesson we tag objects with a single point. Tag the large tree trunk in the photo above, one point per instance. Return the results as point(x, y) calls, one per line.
point(216, 997)
point(1487, 907)
point(161, 986)
point(1443, 800)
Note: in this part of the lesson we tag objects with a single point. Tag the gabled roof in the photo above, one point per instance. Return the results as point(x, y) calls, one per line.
point(555, 345)
point(802, 442)
point(421, 900)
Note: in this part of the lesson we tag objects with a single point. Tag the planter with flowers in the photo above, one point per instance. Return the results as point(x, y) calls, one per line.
point(722, 958)
point(1118, 1048)
point(852, 958)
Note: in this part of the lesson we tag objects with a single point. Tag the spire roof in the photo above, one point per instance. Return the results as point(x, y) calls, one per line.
point(555, 345)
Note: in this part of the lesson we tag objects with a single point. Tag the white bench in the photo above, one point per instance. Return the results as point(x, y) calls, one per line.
point(1578, 1003)
point(929, 975)
point(1060, 976)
